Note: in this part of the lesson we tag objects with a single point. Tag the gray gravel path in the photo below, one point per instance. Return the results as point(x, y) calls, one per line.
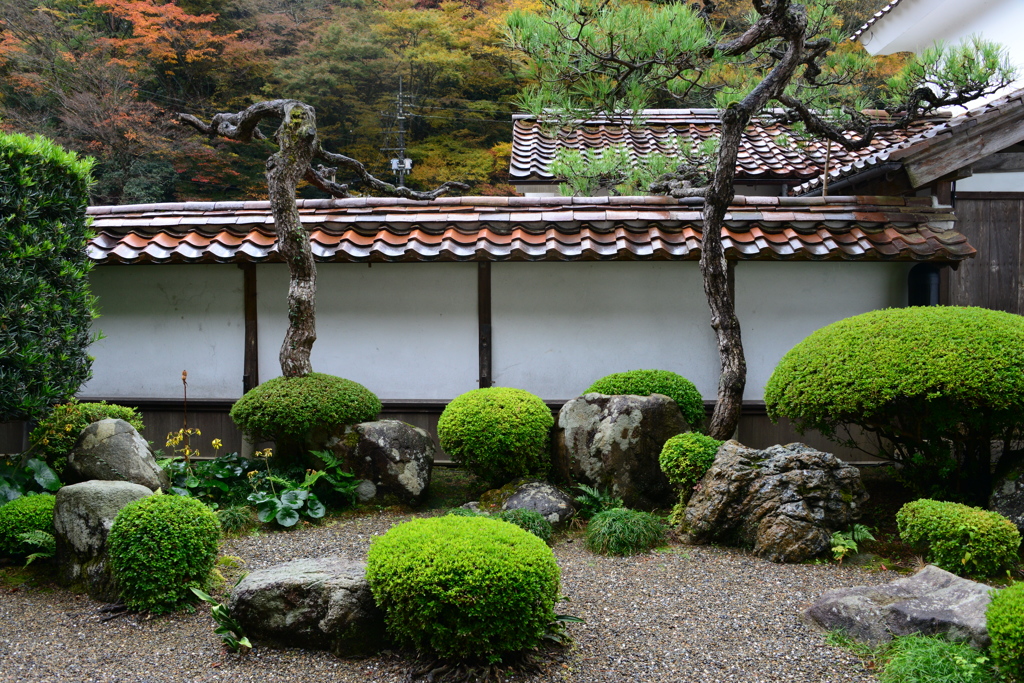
point(682, 614)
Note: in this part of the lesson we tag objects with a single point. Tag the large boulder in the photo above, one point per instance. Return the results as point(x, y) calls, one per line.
point(82, 516)
point(323, 603)
point(931, 602)
point(531, 494)
point(613, 443)
point(113, 450)
point(785, 501)
point(394, 459)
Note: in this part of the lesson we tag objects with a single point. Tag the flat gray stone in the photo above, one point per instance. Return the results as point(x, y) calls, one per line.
point(321, 603)
point(931, 602)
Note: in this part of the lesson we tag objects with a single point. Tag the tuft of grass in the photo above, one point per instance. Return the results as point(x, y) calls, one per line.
point(624, 532)
point(931, 659)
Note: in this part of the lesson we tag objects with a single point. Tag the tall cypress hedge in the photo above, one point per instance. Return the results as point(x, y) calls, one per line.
point(45, 304)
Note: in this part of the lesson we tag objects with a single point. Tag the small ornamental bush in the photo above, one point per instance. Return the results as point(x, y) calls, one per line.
point(464, 587)
point(935, 384)
point(22, 515)
point(1005, 622)
point(624, 532)
point(960, 539)
point(498, 433)
point(686, 458)
point(160, 547)
point(528, 520)
point(46, 308)
point(647, 382)
point(289, 408)
point(56, 434)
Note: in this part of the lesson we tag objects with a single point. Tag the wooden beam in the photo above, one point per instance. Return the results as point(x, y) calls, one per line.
point(1000, 163)
point(251, 356)
point(483, 310)
point(964, 147)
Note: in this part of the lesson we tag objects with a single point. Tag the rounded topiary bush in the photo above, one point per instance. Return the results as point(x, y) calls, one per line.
point(685, 458)
point(960, 539)
point(528, 520)
point(464, 587)
point(21, 515)
point(647, 382)
point(624, 532)
point(56, 434)
point(922, 379)
point(289, 408)
point(161, 546)
point(498, 433)
point(1005, 622)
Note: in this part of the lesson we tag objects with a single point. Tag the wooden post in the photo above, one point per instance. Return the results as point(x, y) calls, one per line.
point(483, 312)
point(251, 360)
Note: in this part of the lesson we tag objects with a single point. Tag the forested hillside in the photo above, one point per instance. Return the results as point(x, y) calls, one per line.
point(105, 76)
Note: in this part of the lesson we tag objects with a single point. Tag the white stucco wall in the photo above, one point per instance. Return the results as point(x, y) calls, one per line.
point(992, 182)
point(779, 304)
point(160, 320)
point(560, 326)
point(404, 330)
point(409, 331)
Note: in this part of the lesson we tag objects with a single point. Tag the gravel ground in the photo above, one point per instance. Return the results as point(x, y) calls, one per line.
point(683, 613)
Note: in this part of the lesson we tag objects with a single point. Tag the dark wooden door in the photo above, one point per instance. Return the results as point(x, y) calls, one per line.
point(994, 224)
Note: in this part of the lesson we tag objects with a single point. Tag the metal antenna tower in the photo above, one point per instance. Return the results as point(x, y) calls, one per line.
point(400, 164)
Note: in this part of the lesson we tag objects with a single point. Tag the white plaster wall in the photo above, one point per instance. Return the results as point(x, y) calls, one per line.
point(160, 320)
point(779, 304)
point(404, 330)
point(560, 326)
point(992, 182)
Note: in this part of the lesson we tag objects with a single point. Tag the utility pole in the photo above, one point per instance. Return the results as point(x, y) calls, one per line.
point(400, 164)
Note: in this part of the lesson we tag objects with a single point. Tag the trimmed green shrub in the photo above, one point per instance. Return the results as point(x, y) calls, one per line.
point(685, 458)
point(934, 659)
point(464, 587)
point(497, 433)
point(528, 520)
point(466, 512)
point(289, 409)
point(46, 309)
point(964, 540)
point(647, 382)
point(160, 547)
point(1005, 621)
point(56, 434)
point(935, 384)
point(624, 532)
point(22, 515)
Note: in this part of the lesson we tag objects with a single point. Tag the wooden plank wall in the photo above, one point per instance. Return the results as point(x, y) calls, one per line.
point(994, 224)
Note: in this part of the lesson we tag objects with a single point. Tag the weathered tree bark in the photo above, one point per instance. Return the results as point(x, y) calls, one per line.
point(790, 22)
point(297, 141)
point(298, 145)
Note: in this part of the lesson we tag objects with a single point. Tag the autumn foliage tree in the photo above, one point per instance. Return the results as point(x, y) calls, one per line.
point(616, 57)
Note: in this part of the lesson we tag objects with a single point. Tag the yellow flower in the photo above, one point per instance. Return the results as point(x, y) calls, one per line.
point(217, 444)
point(68, 427)
point(251, 474)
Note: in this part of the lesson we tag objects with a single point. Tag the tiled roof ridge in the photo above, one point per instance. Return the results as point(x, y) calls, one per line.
point(490, 203)
point(683, 114)
point(533, 229)
point(873, 18)
point(919, 142)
